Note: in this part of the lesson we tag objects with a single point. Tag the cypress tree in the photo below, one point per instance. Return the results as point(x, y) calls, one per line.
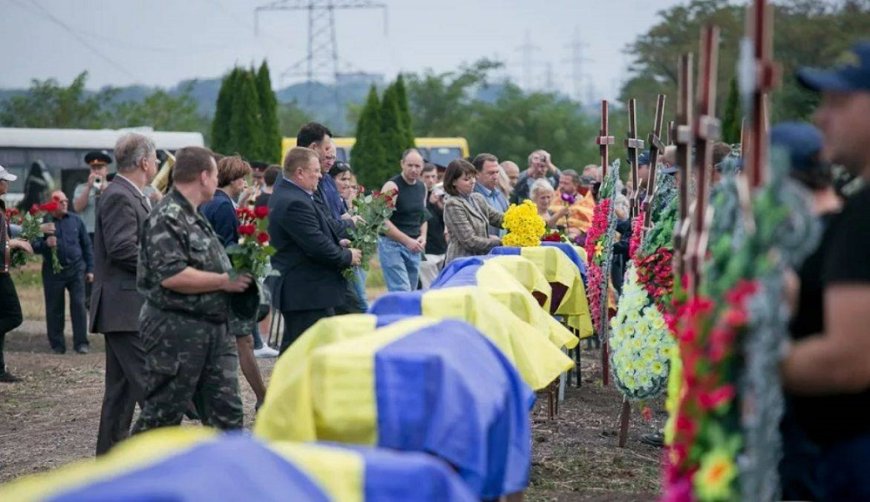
point(392, 135)
point(245, 130)
point(732, 118)
point(220, 126)
point(367, 157)
point(271, 137)
point(404, 112)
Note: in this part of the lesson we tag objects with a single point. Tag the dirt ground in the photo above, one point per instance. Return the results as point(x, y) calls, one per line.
point(51, 419)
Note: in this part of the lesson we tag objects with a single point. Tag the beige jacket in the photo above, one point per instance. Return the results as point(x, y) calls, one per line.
point(466, 220)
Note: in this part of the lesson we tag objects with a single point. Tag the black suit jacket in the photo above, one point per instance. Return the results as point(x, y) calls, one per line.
point(307, 252)
point(115, 302)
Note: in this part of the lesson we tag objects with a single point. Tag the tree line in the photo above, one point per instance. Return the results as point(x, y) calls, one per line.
point(495, 116)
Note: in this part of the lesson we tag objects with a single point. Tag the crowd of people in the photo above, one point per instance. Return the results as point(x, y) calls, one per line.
point(165, 296)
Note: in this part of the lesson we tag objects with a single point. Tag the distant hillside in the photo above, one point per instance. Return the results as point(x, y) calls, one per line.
point(317, 100)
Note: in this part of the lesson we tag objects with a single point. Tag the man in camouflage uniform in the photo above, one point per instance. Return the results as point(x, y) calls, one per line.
point(183, 273)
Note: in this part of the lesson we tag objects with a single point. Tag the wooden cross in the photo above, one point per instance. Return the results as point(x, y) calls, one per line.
point(633, 145)
point(603, 141)
point(761, 74)
point(683, 136)
point(706, 129)
point(655, 148)
point(671, 134)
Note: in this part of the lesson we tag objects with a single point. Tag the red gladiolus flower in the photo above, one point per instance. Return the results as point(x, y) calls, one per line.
point(247, 229)
point(714, 399)
point(736, 318)
point(686, 425)
point(263, 237)
point(34, 210)
point(261, 212)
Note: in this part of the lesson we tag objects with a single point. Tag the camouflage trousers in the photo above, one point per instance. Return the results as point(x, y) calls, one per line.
point(188, 360)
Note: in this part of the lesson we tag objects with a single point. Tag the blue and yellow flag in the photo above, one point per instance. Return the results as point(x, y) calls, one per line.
point(564, 268)
point(192, 463)
point(536, 358)
point(492, 277)
point(416, 385)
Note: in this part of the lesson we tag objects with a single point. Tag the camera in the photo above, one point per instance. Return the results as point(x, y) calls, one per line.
point(98, 182)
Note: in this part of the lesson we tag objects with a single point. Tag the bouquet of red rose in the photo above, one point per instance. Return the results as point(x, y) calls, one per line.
point(374, 209)
point(251, 254)
point(30, 229)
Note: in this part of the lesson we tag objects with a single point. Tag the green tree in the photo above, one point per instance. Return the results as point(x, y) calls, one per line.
point(831, 26)
point(271, 145)
point(162, 111)
point(245, 130)
point(49, 104)
point(441, 103)
point(732, 118)
point(369, 158)
point(291, 118)
point(393, 137)
point(526, 122)
point(404, 112)
point(220, 126)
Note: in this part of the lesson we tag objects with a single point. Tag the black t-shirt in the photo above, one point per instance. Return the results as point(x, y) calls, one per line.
point(833, 418)
point(435, 241)
point(410, 210)
point(809, 319)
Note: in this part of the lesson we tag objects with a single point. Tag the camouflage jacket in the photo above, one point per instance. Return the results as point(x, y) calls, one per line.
point(175, 236)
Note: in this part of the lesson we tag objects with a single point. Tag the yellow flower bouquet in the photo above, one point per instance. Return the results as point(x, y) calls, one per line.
point(525, 227)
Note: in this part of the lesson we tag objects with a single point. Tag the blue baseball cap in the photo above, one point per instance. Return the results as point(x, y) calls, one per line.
point(802, 141)
point(853, 76)
point(643, 158)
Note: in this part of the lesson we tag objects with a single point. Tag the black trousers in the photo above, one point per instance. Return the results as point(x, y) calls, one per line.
point(10, 312)
point(297, 321)
point(125, 386)
point(351, 303)
point(54, 288)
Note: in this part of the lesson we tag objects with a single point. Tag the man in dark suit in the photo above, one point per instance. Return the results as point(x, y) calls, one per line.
point(115, 302)
point(310, 253)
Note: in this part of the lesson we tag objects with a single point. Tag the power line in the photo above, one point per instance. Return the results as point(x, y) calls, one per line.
point(76, 35)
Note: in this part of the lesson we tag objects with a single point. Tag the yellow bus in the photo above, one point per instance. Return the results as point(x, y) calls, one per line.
point(436, 150)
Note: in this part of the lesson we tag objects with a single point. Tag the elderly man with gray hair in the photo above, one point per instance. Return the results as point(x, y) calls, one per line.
point(540, 167)
point(115, 302)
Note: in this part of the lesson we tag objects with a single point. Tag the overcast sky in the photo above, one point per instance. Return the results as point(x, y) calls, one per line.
point(160, 42)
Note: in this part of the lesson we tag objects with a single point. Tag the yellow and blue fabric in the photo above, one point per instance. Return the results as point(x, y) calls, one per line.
point(501, 285)
point(537, 360)
point(557, 262)
point(191, 463)
point(438, 387)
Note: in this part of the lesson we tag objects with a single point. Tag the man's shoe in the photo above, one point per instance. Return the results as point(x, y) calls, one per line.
point(83, 349)
point(265, 352)
point(656, 439)
point(7, 377)
point(58, 350)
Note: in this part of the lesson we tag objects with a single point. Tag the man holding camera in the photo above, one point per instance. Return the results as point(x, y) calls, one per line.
point(85, 195)
point(85, 198)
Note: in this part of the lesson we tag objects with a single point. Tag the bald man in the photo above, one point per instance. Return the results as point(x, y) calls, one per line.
point(512, 170)
point(68, 236)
